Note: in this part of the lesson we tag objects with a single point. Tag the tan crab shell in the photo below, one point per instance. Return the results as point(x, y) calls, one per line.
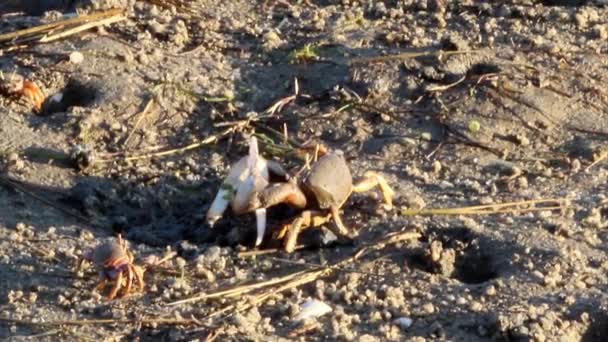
point(330, 180)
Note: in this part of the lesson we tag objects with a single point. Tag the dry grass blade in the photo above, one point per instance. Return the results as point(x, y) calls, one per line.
point(142, 116)
point(408, 55)
point(52, 31)
point(81, 28)
point(498, 208)
point(149, 321)
point(440, 88)
point(290, 281)
point(602, 156)
point(209, 140)
point(258, 252)
point(312, 275)
point(236, 291)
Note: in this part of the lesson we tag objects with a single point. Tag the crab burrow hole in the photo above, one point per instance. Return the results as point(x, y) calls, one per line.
point(458, 253)
point(75, 93)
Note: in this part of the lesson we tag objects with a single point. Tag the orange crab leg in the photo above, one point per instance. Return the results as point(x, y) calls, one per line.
point(116, 287)
point(139, 276)
point(308, 218)
point(129, 280)
point(101, 285)
point(341, 228)
point(372, 179)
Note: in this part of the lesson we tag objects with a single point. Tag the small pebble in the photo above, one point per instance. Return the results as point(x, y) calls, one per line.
point(403, 322)
point(76, 57)
point(312, 308)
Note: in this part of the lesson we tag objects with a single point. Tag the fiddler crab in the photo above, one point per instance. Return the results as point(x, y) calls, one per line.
point(115, 263)
point(17, 86)
point(320, 193)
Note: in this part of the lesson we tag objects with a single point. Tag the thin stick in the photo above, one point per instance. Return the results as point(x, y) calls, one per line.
point(141, 115)
point(498, 208)
point(236, 290)
point(210, 139)
point(310, 276)
point(601, 158)
point(408, 55)
point(294, 279)
point(78, 29)
point(444, 87)
point(254, 253)
point(304, 277)
point(46, 27)
point(165, 321)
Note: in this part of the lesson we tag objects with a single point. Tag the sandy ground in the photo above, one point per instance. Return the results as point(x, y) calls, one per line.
point(455, 103)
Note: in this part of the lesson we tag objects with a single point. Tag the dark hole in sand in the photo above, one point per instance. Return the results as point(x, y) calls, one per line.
point(475, 266)
point(74, 94)
point(597, 330)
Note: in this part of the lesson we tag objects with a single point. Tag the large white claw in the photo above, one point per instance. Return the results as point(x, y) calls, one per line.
point(248, 176)
point(258, 167)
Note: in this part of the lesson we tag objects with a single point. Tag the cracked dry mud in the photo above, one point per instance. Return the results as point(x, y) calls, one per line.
point(514, 109)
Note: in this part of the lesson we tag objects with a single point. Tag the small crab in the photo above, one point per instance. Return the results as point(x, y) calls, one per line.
point(115, 262)
point(17, 86)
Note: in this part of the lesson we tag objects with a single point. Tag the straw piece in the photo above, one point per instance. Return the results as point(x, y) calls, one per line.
point(32, 31)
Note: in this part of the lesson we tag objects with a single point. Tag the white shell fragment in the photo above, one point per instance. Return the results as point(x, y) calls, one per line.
point(312, 308)
point(403, 322)
point(56, 98)
point(76, 57)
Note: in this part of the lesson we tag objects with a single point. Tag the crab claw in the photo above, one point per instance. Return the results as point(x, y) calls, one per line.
point(259, 183)
point(260, 219)
point(248, 175)
point(255, 182)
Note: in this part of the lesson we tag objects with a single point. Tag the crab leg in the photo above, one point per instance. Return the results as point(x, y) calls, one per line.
point(372, 179)
point(311, 218)
point(259, 183)
point(341, 228)
point(101, 285)
point(308, 218)
point(116, 286)
point(129, 280)
point(139, 275)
